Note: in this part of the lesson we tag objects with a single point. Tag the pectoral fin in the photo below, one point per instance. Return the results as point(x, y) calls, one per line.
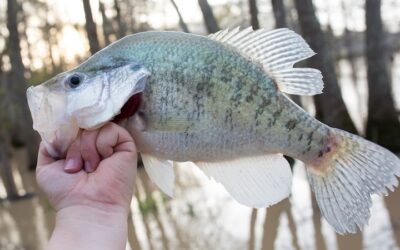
point(253, 181)
point(160, 172)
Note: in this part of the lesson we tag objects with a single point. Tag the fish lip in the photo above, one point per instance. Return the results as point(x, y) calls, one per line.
point(55, 132)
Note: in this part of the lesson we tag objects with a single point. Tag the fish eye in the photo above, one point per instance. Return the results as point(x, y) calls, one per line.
point(74, 81)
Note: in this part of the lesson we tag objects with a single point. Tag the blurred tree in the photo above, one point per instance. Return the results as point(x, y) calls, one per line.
point(383, 124)
point(181, 21)
point(6, 171)
point(349, 55)
point(330, 107)
point(130, 17)
point(254, 14)
point(5, 165)
point(23, 21)
point(49, 38)
point(278, 8)
point(132, 236)
point(209, 18)
point(22, 132)
point(349, 41)
point(47, 35)
point(271, 224)
point(91, 28)
point(316, 218)
point(106, 25)
point(118, 17)
point(252, 234)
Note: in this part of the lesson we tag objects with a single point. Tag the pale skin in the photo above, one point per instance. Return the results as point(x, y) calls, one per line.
point(91, 189)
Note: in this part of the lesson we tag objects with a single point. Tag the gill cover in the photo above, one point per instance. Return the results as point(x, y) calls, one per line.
point(59, 110)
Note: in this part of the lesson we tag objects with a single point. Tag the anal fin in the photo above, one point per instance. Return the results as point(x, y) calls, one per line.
point(160, 172)
point(258, 181)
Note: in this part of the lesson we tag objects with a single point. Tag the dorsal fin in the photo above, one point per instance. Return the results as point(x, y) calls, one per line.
point(277, 50)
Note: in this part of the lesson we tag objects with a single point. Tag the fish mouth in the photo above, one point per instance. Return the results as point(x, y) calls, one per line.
point(58, 132)
point(129, 108)
point(55, 128)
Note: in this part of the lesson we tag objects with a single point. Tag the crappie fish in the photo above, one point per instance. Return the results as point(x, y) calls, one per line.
point(219, 102)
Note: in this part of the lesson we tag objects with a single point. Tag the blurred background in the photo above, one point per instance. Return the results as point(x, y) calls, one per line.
point(357, 44)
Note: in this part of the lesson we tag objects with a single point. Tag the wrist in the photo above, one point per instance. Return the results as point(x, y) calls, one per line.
point(108, 217)
point(85, 227)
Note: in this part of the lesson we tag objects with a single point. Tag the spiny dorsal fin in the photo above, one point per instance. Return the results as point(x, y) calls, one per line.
point(277, 50)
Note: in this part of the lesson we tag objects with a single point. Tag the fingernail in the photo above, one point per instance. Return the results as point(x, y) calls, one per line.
point(88, 167)
point(69, 165)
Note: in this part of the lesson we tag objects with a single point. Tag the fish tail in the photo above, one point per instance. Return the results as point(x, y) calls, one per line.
point(351, 170)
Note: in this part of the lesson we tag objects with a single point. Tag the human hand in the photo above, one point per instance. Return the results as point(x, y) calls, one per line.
point(91, 189)
point(108, 156)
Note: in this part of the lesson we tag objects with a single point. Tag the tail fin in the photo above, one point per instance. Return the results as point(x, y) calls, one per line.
point(357, 170)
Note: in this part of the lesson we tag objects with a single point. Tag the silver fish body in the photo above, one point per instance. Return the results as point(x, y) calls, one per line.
point(206, 101)
point(219, 102)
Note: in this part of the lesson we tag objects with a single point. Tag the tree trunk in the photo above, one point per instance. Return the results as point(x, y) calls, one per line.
point(130, 21)
point(316, 218)
point(91, 28)
point(329, 105)
point(5, 164)
point(254, 14)
point(24, 35)
point(106, 25)
point(279, 13)
point(383, 124)
point(271, 224)
point(22, 132)
point(252, 237)
point(132, 236)
point(47, 36)
point(6, 171)
point(121, 24)
point(181, 21)
point(209, 19)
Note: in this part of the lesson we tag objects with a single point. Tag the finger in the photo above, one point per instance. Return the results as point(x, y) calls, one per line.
point(73, 162)
point(113, 138)
point(88, 150)
point(44, 157)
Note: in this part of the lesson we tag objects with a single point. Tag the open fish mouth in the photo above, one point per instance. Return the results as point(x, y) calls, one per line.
point(129, 108)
